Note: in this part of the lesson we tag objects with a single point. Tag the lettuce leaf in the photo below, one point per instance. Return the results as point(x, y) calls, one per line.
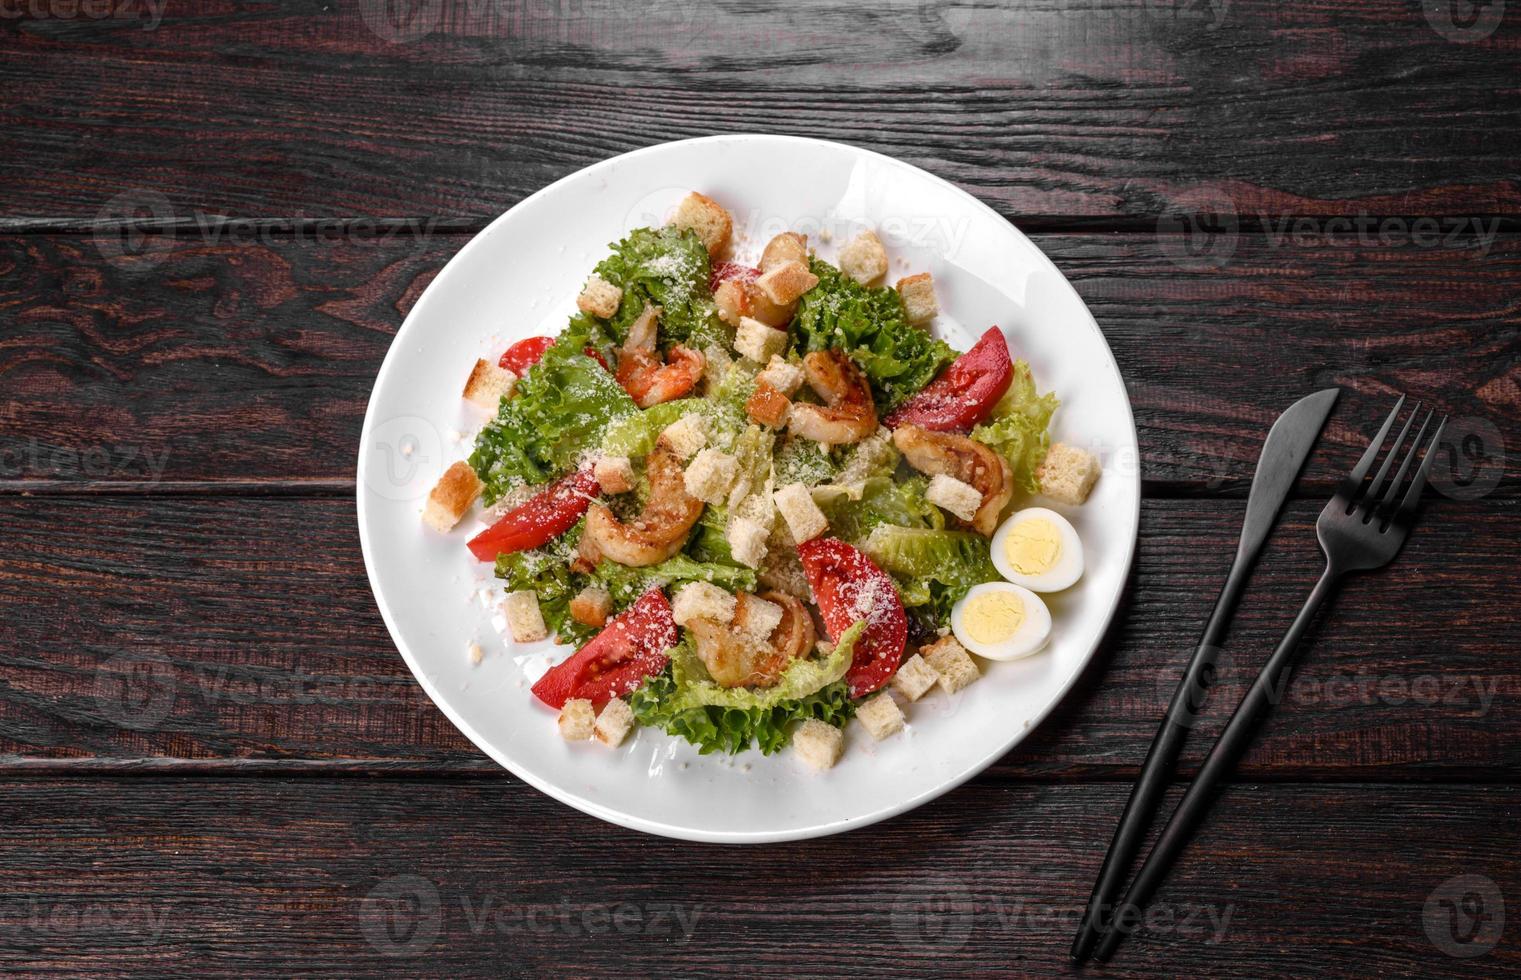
point(932, 568)
point(669, 268)
point(1019, 426)
point(546, 572)
point(869, 324)
point(883, 501)
point(627, 584)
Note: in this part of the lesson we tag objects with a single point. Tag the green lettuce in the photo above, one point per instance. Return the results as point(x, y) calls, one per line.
point(803, 461)
point(1018, 427)
point(932, 568)
point(683, 701)
point(883, 501)
point(546, 572)
point(869, 324)
point(627, 584)
point(669, 268)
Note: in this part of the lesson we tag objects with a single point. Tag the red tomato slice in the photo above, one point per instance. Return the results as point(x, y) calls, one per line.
point(965, 392)
point(631, 647)
point(525, 354)
point(724, 271)
point(542, 519)
point(848, 587)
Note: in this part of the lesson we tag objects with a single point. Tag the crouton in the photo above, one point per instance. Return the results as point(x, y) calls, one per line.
point(599, 298)
point(488, 385)
point(803, 517)
point(864, 259)
point(733, 302)
point(761, 619)
point(707, 217)
point(1067, 474)
point(686, 435)
point(578, 720)
point(702, 600)
point(949, 493)
point(524, 619)
point(614, 474)
point(591, 606)
point(757, 341)
point(747, 541)
point(475, 653)
point(614, 723)
point(782, 375)
point(918, 295)
point(880, 716)
point(761, 307)
point(455, 492)
point(789, 246)
point(818, 744)
point(786, 283)
point(953, 668)
point(914, 677)
point(709, 476)
point(768, 406)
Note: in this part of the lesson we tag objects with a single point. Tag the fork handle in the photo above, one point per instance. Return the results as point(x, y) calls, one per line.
point(1233, 742)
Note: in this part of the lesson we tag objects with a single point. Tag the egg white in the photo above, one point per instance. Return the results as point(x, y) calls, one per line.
point(1030, 637)
point(1069, 563)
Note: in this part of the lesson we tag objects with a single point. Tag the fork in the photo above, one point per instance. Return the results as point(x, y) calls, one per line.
point(1360, 529)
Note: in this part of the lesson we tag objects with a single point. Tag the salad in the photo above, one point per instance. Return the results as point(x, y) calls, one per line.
point(758, 501)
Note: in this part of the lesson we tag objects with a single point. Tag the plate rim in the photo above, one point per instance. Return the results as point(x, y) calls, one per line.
point(657, 827)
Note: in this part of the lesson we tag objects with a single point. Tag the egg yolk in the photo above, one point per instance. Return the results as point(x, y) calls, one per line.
point(1033, 546)
point(993, 617)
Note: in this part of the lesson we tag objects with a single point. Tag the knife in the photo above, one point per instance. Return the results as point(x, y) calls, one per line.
point(1283, 455)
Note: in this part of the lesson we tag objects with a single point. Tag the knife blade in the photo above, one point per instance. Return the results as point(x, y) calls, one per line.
point(1283, 455)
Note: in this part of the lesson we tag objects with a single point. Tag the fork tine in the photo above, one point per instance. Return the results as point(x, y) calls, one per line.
point(1349, 486)
point(1418, 485)
point(1394, 451)
point(1386, 505)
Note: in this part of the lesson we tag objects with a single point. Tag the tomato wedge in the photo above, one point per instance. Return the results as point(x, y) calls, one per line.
point(849, 587)
point(542, 519)
point(964, 393)
point(631, 647)
point(525, 354)
point(725, 271)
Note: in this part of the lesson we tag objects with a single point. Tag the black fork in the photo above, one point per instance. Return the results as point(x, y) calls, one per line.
point(1362, 527)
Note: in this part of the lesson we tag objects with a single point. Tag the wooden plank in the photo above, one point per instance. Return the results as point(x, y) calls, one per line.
point(462, 879)
point(252, 363)
point(239, 635)
point(1067, 108)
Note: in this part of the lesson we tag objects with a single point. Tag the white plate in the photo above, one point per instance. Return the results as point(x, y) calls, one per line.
point(519, 278)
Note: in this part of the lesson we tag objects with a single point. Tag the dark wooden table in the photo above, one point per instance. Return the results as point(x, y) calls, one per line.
point(214, 761)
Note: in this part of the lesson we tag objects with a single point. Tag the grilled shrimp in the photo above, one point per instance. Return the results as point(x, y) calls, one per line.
point(734, 660)
point(660, 529)
point(848, 414)
point(965, 459)
point(648, 379)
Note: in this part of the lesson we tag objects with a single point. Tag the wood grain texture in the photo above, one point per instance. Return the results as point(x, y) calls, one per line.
point(240, 635)
point(251, 363)
point(1073, 108)
point(438, 878)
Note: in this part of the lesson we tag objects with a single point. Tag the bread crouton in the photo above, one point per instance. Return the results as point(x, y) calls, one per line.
point(880, 716)
point(488, 385)
point(1067, 474)
point(686, 435)
point(760, 620)
point(747, 541)
point(757, 341)
point(782, 375)
point(803, 517)
point(914, 677)
point(578, 720)
point(818, 744)
point(864, 259)
point(614, 723)
point(949, 493)
point(918, 294)
point(768, 406)
point(591, 606)
point(953, 668)
point(707, 217)
point(524, 619)
point(599, 298)
point(451, 497)
point(614, 474)
point(702, 600)
point(710, 475)
point(786, 283)
point(789, 246)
